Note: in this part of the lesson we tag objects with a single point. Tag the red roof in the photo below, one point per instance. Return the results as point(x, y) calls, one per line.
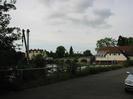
point(118, 49)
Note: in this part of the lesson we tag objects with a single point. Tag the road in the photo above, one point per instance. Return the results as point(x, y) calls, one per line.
point(107, 85)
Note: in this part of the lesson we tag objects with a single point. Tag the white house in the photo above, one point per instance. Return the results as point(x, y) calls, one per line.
point(35, 52)
point(114, 55)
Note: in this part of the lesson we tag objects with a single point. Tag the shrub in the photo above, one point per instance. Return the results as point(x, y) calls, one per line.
point(128, 63)
point(75, 60)
point(84, 61)
point(39, 61)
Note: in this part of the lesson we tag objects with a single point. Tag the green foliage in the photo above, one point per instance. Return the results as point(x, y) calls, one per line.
point(34, 78)
point(66, 54)
point(51, 54)
point(7, 58)
point(60, 51)
point(99, 69)
point(77, 55)
point(7, 5)
point(124, 41)
point(128, 63)
point(68, 61)
point(106, 42)
point(71, 67)
point(39, 61)
point(71, 53)
point(75, 60)
point(7, 34)
point(87, 53)
point(84, 61)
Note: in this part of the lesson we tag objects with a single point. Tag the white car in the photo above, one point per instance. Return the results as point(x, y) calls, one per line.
point(129, 82)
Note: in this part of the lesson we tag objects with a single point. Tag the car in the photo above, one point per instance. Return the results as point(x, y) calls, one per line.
point(129, 82)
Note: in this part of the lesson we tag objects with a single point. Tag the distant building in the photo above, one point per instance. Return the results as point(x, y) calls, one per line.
point(114, 55)
point(35, 52)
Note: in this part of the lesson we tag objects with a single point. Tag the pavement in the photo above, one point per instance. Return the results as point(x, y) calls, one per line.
point(106, 85)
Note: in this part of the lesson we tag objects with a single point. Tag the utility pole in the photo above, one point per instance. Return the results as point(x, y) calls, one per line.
point(26, 43)
point(28, 31)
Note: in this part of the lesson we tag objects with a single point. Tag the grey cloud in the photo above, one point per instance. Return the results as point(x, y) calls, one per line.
point(103, 16)
point(103, 13)
point(81, 5)
point(69, 5)
point(99, 22)
point(76, 12)
point(51, 2)
point(57, 15)
point(66, 7)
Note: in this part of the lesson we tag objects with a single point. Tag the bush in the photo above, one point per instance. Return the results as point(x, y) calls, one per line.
point(84, 60)
point(7, 59)
point(128, 63)
point(39, 61)
point(95, 70)
point(75, 60)
point(68, 61)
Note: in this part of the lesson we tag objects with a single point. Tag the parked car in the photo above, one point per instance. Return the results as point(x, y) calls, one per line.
point(129, 82)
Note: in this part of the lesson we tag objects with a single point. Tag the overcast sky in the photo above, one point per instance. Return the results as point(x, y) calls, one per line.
point(77, 23)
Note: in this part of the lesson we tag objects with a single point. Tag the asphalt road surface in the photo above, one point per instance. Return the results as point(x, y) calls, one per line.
point(107, 85)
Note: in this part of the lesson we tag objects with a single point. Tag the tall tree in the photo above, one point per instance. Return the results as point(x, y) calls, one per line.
point(7, 34)
point(124, 41)
point(130, 41)
point(106, 42)
point(87, 53)
point(71, 53)
point(60, 51)
point(121, 41)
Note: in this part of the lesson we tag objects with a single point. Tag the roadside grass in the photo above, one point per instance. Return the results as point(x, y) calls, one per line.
point(98, 69)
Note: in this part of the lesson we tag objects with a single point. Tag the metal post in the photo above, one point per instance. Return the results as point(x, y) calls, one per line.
point(28, 31)
point(25, 43)
point(28, 39)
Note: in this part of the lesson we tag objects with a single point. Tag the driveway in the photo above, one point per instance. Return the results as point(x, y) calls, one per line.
point(107, 85)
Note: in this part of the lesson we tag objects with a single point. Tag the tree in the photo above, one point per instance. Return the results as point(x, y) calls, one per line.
point(124, 41)
point(39, 61)
point(130, 41)
point(52, 54)
point(121, 41)
point(87, 53)
point(60, 51)
point(72, 67)
point(71, 53)
point(66, 54)
point(106, 42)
point(7, 34)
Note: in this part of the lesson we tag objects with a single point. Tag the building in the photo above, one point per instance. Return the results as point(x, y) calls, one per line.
point(114, 55)
point(35, 52)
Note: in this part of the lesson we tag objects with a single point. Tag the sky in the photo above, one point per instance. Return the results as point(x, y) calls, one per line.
point(76, 23)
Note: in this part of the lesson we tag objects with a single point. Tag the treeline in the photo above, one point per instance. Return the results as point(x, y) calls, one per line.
point(125, 41)
point(62, 52)
point(110, 42)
